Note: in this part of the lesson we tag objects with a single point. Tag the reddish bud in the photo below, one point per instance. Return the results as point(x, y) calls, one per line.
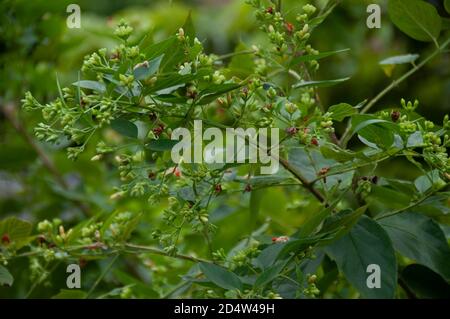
point(6, 239)
point(269, 10)
point(289, 27)
point(281, 239)
point(158, 130)
point(314, 141)
point(218, 188)
point(177, 172)
point(82, 262)
point(323, 171)
point(291, 130)
point(395, 115)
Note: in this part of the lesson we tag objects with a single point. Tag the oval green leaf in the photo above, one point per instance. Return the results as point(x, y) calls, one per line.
point(419, 238)
point(418, 19)
point(367, 243)
point(221, 277)
point(125, 127)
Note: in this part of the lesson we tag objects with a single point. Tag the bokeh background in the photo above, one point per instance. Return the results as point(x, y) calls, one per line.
point(37, 181)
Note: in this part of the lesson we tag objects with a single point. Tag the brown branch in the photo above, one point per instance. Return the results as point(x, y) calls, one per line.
point(9, 110)
point(305, 183)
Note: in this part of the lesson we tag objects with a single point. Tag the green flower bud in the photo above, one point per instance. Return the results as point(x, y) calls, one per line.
point(45, 226)
point(309, 9)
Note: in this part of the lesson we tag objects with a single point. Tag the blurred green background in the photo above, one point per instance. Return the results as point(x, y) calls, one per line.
point(36, 45)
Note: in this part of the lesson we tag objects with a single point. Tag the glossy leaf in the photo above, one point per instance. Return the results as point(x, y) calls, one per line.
point(366, 244)
point(161, 145)
point(91, 85)
point(418, 19)
point(341, 111)
point(400, 59)
point(145, 70)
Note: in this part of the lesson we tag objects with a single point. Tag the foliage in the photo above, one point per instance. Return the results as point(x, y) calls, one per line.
point(127, 100)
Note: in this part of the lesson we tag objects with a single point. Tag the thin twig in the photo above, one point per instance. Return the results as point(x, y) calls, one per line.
point(102, 275)
point(346, 136)
point(156, 251)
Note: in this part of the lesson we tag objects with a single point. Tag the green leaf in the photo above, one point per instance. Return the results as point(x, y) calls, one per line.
point(400, 59)
point(425, 283)
point(342, 222)
point(145, 70)
point(221, 276)
point(425, 182)
point(321, 55)
point(91, 85)
point(125, 127)
point(157, 49)
point(415, 139)
point(388, 65)
point(314, 221)
point(161, 145)
point(333, 151)
point(270, 273)
point(419, 238)
point(325, 83)
point(70, 294)
point(366, 244)
point(174, 52)
point(268, 255)
point(341, 111)
point(374, 130)
point(296, 246)
point(18, 231)
point(309, 162)
point(212, 92)
point(447, 5)
point(418, 19)
point(445, 23)
point(5, 277)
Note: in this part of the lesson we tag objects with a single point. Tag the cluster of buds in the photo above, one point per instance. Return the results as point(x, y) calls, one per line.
point(125, 167)
point(311, 290)
point(410, 107)
point(327, 123)
point(245, 256)
point(29, 102)
point(123, 30)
